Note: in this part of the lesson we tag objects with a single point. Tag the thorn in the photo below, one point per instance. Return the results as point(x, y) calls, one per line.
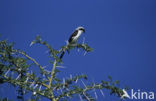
point(78, 50)
point(63, 83)
point(31, 72)
point(70, 76)
point(31, 44)
point(60, 67)
point(47, 71)
point(23, 91)
point(86, 96)
point(67, 89)
point(35, 86)
point(95, 91)
point(76, 80)
point(45, 66)
point(102, 93)
point(95, 94)
point(63, 80)
point(54, 88)
point(40, 87)
point(43, 76)
point(12, 53)
point(61, 92)
point(80, 98)
point(84, 84)
point(67, 42)
point(7, 72)
point(18, 76)
point(84, 53)
point(27, 79)
point(32, 84)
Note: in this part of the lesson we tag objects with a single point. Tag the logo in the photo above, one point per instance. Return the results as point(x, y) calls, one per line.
point(138, 95)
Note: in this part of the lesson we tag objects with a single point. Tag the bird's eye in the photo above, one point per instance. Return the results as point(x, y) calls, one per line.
point(82, 29)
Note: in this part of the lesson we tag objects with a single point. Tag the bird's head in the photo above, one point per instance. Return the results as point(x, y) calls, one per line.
point(81, 29)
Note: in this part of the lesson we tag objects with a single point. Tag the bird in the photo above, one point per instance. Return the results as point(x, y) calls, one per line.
point(74, 37)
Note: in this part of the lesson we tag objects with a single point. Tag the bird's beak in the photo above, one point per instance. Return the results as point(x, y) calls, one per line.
point(84, 31)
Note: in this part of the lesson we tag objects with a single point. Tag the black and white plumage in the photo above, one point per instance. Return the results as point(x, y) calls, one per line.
point(74, 37)
point(76, 34)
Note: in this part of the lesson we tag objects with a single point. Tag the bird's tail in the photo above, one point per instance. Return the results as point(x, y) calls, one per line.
point(62, 54)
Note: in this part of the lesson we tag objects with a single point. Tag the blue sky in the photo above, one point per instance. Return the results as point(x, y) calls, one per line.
point(122, 33)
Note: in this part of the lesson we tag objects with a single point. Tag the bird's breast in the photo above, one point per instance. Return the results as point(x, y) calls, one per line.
point(78, 35)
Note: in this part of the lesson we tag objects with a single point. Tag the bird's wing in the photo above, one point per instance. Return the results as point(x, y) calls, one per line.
point(72, 36)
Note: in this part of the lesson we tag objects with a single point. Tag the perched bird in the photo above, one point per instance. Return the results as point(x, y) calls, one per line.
point(76, 34)
point(74, 37)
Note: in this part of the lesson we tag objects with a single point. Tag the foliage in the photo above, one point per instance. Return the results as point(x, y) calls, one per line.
point(15, 70)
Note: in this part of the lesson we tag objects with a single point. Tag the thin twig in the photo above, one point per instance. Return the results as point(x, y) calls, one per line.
point(30, 58)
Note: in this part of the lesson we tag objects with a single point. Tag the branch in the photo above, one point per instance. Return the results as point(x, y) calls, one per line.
point(52, 73)
point(30, 58)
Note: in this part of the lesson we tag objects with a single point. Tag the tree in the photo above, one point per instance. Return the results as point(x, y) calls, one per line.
point(16, 69)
